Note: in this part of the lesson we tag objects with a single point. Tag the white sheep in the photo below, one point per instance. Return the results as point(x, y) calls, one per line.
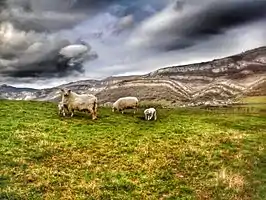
point(80, 102)
point(150, 113)
point(126, 103)
point(62, 108)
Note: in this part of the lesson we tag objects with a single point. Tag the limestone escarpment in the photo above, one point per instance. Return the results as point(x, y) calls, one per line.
point(222, 79)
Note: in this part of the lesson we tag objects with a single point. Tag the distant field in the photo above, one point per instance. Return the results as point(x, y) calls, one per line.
point(254, 99)
point(257, 102)
point(186, 154)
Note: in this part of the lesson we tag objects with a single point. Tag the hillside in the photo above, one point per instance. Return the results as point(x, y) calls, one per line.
point(186, 154)
point(222, 79)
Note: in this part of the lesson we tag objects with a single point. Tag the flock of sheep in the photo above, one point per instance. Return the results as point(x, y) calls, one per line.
point(71, 101)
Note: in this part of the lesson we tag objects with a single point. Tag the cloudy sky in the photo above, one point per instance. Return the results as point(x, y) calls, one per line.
point(130, 37)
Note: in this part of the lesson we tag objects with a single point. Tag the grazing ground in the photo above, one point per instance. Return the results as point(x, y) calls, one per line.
point(186, 154)
point(254, 99)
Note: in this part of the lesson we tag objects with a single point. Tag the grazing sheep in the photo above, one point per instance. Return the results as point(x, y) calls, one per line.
point(108, 104)
point(150, 113)
point(80, 102)
point(126, 103)
point(62, 108)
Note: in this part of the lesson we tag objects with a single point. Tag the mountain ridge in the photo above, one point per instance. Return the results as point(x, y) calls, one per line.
point(223, 79)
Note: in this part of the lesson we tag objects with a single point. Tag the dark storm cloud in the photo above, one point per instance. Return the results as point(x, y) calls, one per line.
point(129, 36)
point(196, 21)
point(40, 15)
point(219, 17)
point(30, 35)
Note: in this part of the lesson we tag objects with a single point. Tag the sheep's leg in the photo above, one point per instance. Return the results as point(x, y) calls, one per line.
point(155, 116)
point(90, 110)
point(72, 113)
point(122, 111)
point(66, 110)
point(94, 111)
point(135, 109)
point(93, 114)
point(147, 116)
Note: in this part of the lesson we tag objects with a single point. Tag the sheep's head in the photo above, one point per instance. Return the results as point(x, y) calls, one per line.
point(114, 108)
point(147, 112)
point(65, 95)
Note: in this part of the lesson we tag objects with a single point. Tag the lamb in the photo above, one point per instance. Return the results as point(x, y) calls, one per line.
point(126, 103)
point(80, 102)
point(62, 108)
point(150, 113)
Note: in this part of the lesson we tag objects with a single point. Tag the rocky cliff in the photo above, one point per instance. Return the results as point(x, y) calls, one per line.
point(222, 79)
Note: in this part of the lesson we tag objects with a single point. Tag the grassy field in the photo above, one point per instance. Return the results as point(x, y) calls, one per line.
point(254, 99)
point(258, 102)
point(186, 154)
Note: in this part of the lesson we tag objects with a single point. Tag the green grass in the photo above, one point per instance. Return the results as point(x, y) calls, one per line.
point(186, 154)
point(257, 102)
point(254, 99)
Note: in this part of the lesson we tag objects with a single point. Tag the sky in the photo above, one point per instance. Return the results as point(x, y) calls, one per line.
point(129, 37)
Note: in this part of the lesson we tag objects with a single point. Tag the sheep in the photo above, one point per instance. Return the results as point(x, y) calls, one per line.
point(108, 104)
point(126, 103)
point(80, 102)
point(150, 113)
point(62, 108)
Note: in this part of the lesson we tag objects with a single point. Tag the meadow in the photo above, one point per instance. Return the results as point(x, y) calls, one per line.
point(185, 154)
